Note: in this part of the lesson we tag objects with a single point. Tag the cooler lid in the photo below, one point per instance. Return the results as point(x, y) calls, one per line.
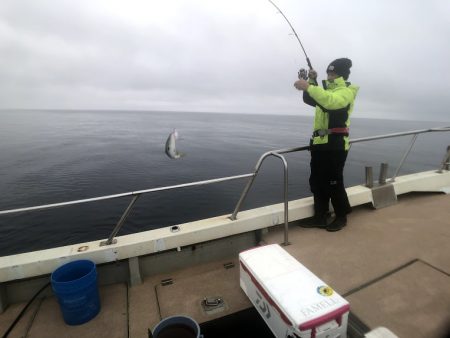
point(302, 297)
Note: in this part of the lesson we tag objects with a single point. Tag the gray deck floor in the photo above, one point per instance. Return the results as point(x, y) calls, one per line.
point(391, 264)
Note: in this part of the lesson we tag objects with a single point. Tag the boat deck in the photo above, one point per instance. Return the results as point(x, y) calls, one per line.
point(391, 264)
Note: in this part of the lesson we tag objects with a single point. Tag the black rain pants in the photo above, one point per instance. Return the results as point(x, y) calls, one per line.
point(327, 181)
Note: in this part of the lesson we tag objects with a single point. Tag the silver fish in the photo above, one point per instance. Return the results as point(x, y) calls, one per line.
point(171, 149)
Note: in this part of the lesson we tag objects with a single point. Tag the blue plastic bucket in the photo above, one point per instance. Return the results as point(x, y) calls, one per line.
point(177, 327)
point(75, 286)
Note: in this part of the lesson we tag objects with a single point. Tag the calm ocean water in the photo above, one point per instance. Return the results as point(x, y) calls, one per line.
point(57, 156)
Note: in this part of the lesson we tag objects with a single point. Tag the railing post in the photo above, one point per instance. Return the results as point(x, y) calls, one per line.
point(369, 177)
point(413, 140)
point(445, 161)
point(383, 173)
point(111, 239)
point(286, 201)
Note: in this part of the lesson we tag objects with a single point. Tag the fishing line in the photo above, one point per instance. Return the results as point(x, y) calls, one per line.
point(295, 33)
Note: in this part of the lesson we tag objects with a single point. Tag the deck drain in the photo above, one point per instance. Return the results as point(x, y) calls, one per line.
point(175, 228)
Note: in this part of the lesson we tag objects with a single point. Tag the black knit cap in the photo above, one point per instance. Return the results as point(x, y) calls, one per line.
point(341, 67)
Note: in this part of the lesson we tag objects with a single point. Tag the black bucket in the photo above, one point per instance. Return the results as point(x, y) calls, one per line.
point(177, 327)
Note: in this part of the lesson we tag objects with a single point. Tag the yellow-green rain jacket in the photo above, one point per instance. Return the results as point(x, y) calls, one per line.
point(334, 106)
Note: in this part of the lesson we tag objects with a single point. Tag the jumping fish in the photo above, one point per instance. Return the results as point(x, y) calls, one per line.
point(171, 149)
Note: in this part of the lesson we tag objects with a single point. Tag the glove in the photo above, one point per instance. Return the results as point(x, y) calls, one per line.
point(312, 74)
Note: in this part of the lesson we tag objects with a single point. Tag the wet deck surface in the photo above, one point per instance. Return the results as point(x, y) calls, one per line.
point(391, 264)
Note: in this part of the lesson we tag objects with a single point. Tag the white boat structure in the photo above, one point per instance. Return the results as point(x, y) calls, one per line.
point(391, 262)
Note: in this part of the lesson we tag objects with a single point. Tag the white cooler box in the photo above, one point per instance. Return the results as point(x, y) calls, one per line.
point(291, 299)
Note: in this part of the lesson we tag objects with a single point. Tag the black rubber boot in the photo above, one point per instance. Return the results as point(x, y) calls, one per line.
point(314, 222)
point(338, 223)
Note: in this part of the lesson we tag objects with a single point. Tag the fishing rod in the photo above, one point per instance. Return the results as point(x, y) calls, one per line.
point(295, 33)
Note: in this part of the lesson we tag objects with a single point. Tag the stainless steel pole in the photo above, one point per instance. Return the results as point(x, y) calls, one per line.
point(286, 199)
point(111, 239)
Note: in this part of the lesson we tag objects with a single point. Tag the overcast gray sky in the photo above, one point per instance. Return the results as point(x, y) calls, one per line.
point(222, 56)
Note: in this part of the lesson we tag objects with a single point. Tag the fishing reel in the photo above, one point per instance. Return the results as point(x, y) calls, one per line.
point(303, 74)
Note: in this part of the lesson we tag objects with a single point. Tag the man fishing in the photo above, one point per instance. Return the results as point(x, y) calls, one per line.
point(329, 143)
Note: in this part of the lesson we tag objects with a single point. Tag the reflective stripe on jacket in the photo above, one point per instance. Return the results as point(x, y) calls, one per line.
point(333, 108)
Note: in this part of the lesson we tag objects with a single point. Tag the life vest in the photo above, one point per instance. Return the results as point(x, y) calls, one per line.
point(334, 106)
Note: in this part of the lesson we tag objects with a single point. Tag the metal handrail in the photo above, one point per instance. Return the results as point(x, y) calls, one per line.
point(363, 139)
point(276, 153)
point(250, 183)
point(285, 195)
point(133, 193)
